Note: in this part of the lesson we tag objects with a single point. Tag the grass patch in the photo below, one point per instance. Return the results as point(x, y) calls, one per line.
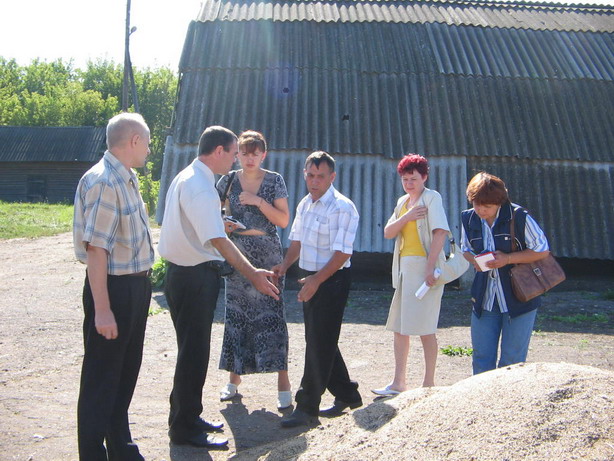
point(456, 351)
point(577, 319)
point(154, 310)
point(609, 295)
point(31, 220)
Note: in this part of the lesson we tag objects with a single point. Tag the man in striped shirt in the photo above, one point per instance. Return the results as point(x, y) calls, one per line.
point(322, 239)
point(112, 237)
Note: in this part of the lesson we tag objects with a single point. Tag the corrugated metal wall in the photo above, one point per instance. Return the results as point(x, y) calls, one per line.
point(572, 201)
point(370, 181)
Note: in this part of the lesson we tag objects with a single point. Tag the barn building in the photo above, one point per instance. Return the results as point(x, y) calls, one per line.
point(44, 164)
point(523, 90)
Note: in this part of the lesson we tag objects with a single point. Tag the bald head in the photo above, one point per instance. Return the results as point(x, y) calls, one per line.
point(123, 127)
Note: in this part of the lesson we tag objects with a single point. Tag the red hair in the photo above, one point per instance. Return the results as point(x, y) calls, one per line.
point(411, 163)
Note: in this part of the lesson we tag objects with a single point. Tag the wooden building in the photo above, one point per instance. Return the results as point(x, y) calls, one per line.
point(44, 164)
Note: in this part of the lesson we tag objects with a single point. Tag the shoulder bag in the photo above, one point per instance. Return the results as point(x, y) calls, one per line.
point(529, 280)
point(452, 266)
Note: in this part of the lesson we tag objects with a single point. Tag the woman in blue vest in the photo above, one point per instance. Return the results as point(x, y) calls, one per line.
point(497, 314)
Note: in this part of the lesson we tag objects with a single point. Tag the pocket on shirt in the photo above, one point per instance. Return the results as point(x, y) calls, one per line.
point(318, 235)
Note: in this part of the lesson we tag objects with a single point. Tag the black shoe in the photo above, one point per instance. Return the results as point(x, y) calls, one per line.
point(207, 426)
point(202, 441)
point(299, 418)
point(338, 408)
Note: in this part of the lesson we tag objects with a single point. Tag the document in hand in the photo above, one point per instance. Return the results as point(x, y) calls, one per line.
point(483, 258)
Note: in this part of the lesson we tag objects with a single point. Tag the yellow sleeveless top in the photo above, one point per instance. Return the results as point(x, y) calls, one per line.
point(411, 240)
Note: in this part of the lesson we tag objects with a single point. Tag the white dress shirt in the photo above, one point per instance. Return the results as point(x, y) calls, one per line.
point(192, 217)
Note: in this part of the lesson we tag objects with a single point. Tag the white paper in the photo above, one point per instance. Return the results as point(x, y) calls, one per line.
point(483, 258)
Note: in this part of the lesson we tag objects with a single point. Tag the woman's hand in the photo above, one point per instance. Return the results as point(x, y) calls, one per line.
point(429, 278)
point(418, 212)
point(501, 260)
point(247, 198)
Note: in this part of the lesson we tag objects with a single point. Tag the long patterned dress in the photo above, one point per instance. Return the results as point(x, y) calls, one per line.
point(255, 332)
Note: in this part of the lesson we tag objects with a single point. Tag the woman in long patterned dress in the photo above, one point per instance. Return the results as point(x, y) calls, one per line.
point(255, 333)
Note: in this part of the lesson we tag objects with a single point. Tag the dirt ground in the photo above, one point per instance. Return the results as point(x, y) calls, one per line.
point(41, 352)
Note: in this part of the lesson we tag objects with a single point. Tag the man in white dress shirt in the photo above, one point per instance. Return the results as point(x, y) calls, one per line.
point(322, 238)
point(194, 241)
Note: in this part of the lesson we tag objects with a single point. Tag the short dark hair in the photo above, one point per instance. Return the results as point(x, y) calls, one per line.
point(487, 189)
point(251, 141)
point(411, 163)
point(318, 157)
point(214, 136)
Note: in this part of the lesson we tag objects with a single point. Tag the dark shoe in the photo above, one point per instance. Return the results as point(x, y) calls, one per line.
point(338, 408)
point(207, 426)
point(202, 441)
point(299, 418)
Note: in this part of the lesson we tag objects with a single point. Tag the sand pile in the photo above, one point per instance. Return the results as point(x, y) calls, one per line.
point(536, 411)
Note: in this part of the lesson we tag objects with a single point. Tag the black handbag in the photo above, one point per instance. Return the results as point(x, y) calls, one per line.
point(529, 280)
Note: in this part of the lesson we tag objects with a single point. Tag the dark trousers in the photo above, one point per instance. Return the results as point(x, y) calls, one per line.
point(324, 365)
point(110, 371)
point(191, 293)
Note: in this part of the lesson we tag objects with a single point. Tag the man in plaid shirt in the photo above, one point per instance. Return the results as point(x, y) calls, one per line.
point(111, 236)
point(322, 239)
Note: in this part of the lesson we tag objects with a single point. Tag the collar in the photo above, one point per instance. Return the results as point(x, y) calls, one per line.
point(127, 174)
point(328, 197)
point(196, 163)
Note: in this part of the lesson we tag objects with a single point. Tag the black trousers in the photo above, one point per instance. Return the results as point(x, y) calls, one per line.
point(191, 293)
point(110, 371)
point(324, 365)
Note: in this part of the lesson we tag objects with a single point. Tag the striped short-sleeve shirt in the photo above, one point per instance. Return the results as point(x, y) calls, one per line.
point(327, 225)
point(109, 213)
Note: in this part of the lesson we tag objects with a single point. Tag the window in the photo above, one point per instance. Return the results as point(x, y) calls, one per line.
point(37, 188)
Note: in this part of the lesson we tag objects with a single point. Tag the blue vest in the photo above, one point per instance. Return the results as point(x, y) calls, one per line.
point(503, 242)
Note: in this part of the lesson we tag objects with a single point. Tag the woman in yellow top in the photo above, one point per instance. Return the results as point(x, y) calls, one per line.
point(420, 228)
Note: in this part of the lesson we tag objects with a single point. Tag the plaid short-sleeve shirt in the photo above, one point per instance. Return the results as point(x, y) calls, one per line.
point(109, 213)
point(327, 225)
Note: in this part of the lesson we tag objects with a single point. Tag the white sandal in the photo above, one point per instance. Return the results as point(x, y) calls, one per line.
point(228, 392)
point(284, 400)
point(385, 391)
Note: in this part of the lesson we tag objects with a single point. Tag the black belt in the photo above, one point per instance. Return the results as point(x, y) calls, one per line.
point(315, 272)
point(146, 273)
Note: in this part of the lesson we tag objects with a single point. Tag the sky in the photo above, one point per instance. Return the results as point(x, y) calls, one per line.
point(84, 30)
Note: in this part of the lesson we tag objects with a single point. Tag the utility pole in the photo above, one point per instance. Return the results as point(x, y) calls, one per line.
point(128, 74)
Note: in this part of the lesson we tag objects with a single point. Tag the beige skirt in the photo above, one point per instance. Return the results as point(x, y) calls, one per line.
point(409, 315)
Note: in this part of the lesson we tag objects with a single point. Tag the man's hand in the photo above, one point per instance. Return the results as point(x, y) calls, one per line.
point(104, 320)
point(260, 280)
point(310, 286)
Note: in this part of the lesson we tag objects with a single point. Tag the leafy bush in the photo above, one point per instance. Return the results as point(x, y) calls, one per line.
point(158, 271)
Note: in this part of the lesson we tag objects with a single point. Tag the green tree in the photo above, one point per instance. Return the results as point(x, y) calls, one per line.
point(55, 94)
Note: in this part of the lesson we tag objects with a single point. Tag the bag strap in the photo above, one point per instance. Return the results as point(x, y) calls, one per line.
point(231, 177)
point(513, 230)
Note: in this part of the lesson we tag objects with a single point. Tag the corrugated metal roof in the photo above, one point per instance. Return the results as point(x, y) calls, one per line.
point(571, 201)
point(419, 48)
point(438, 90)
point(51, 144)
point(515, 15)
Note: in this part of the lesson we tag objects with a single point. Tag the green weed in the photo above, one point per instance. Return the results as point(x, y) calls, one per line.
point(158, 271)
point(456, 351)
